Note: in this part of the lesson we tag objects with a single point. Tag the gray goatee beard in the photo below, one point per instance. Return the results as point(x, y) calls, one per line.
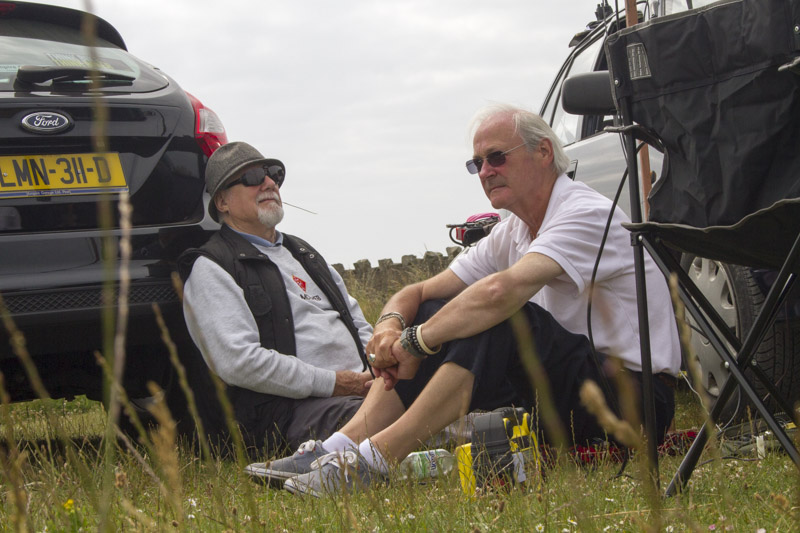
point(270, 216)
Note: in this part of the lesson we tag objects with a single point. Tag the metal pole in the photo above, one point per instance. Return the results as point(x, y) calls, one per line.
point(631, 19)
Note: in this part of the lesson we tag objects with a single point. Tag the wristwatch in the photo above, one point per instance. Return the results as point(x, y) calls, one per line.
point(408, 341)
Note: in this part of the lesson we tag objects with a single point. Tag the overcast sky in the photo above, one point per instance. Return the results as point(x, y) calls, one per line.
point(367, 103)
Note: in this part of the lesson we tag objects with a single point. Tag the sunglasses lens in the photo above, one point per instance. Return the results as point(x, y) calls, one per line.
point(276, 173)
point(474, 165)
point(253, 177)
point(496, 159)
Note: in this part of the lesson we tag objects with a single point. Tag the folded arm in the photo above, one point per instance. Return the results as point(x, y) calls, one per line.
point(470, 310)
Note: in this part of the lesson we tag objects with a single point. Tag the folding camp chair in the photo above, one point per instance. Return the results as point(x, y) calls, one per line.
point(719, 87)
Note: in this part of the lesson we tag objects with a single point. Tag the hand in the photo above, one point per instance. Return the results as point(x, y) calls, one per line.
point(406, 367)
point(407, 364)
point(384, 336)
point(349, 383)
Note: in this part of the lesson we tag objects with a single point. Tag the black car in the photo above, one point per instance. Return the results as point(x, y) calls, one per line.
point(83, 122)
point(736, 292)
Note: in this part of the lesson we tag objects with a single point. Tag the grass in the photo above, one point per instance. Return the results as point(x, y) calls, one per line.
point(62, 490)
point(60, 472)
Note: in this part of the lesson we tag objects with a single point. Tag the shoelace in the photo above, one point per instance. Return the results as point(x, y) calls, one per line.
point(307, 446)
point(341, 460)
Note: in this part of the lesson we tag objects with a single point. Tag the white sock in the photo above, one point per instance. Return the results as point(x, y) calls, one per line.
point(373, 456)
point(339, 442)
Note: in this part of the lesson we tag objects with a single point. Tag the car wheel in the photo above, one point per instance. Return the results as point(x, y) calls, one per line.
point(737, 297)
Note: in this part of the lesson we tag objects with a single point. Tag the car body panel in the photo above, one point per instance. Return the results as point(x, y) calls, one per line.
point(58, 257)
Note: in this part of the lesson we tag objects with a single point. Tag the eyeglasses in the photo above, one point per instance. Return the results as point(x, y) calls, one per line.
point(255, 176)
point(495, 159)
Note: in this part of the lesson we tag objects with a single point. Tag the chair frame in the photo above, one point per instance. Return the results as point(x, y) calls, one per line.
point(712, 325)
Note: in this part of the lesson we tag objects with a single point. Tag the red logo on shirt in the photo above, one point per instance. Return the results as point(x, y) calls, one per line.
point(300, 283)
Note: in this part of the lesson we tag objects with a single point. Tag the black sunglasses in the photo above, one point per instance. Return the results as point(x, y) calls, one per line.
point(495, 159)
point(255, 176)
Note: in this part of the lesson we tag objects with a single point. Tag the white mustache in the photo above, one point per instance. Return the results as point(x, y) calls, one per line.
point(269, 196)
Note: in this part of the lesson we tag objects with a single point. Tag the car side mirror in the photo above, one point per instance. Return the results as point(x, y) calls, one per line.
point(588, 93)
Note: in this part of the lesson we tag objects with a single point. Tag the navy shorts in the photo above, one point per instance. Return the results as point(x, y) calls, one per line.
point(502, 380)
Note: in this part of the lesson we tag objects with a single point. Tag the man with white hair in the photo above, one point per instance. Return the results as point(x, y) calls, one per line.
point(271, 318)
point(446, 346)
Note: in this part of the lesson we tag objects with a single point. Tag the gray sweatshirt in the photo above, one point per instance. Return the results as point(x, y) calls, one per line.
point(221, 324)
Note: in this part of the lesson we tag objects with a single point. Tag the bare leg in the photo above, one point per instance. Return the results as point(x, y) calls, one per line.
point(445, 398)
point(379, 409)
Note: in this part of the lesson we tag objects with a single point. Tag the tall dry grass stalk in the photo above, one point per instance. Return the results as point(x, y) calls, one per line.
point(241, 456)
point(11, 466)
point(19, 347)
point(183, 382)
point(122, 399)
point(685, 332)
point(114, 327)
point(695, 372)
point(118, 367)
point(595, 402)
point(227, 409)
point(165, 448)
point(207, 454)
point(538, 377)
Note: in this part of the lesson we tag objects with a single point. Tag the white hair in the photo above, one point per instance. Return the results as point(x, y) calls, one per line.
point(530, 126)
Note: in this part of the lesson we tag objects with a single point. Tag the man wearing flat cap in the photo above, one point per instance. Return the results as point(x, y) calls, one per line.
point(271, 318)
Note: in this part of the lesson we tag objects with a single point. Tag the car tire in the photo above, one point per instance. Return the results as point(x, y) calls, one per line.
point(735, 294)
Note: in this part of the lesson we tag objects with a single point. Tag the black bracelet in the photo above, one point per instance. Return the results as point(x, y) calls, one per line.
point(409, 342)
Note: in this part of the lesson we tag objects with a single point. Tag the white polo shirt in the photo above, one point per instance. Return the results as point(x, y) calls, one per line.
point(570, 235)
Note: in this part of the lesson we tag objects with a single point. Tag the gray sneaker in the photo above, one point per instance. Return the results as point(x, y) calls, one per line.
point(277, 471)
point(334, 473)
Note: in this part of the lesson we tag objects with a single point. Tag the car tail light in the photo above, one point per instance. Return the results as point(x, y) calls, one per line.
point(208, 128)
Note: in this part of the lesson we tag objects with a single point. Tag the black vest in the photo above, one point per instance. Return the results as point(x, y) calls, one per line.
point(263, 418)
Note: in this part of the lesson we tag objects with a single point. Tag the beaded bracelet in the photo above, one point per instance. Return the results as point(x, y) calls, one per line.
point(408, 340)
point(411, 341)
point(393, 314)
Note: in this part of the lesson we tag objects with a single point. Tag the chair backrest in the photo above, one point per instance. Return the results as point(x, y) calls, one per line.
point(708, 83)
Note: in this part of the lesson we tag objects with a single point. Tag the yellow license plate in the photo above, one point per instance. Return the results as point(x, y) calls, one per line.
point(24, 176)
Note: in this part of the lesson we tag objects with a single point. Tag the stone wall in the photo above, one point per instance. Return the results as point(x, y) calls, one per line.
point(391, 276)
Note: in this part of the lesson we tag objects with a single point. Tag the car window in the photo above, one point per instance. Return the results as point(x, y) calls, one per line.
point(553, 98)
point(48, 46)
point(676, 6)
point(565, 125)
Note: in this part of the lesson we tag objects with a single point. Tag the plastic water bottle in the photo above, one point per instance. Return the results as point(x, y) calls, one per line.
point(427, 464)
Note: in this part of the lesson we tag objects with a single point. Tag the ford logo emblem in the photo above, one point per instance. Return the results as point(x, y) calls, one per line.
point(45, 122)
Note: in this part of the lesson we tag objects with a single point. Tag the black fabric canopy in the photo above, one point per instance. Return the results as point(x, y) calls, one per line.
point(709, 84)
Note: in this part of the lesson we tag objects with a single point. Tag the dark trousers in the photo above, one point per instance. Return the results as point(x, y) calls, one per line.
point(501, 379)
point(319, 418)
